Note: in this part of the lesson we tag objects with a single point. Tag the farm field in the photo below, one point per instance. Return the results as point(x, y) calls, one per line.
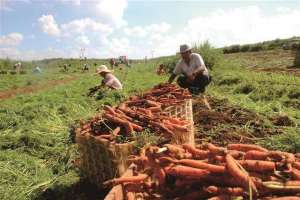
point(38, 151)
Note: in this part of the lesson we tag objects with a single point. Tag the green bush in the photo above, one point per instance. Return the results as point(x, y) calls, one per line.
point(256, 47)
point(245, 48)
point(210, 55)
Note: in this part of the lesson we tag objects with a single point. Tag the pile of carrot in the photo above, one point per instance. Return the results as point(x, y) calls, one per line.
point(167, 94)
point(139, 113)
point(211, 172)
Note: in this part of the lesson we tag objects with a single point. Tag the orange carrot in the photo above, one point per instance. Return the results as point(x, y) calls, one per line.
point(255, 155)
point(246, 147)
point(129, 179)
point(215, 150)
point(221, 197)
point(116, 131)
point(296, 174)
point(236, 154)
point(202, 165)
point(109, 109)
point(241, 177)
point(257, 165)
point(182, 171)
point(197, 153)
point(234, 191)
point(284, 198)
point(296, 165)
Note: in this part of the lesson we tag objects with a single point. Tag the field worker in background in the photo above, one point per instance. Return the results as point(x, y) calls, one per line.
point(160, 70)
point(112, 63)
point(37, 69)
point(109, 79)
point(192, 71)
point(17, 67)
point(65, 67)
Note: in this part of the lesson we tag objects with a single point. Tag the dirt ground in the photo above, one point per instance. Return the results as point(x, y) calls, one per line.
point(34, 88)
point(226, 123)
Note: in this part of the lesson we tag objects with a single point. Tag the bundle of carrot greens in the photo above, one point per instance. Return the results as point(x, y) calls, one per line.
point(241, 171)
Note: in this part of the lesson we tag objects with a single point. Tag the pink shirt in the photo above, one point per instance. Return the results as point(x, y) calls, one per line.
point(111, 81)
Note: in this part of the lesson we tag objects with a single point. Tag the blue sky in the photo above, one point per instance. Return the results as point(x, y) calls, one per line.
point(36, 29)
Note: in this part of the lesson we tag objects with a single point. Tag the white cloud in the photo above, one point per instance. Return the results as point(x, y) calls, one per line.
point(236, 27)
point(143, 31)
point(48, 25)
point(111, 11)
point(83, 40)
point(11, 39)
point(85, 25)
point(227, 27)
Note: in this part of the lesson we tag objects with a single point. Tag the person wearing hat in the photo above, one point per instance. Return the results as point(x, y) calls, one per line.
point(191, 70)
point(109, 79)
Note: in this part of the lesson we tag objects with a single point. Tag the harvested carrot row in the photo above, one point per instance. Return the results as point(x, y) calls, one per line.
point(256, 155)
point(181, 171)
point(258, 165)
point(246, 147)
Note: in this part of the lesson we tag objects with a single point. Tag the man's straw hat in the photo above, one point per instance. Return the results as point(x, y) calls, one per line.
point(103, 68)
point(184, 48)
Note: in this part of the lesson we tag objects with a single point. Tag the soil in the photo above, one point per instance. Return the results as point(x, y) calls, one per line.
point(282, 120)
point(34, 88)
point(226, 123)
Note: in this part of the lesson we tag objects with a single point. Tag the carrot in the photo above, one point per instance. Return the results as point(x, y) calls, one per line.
point(221, 197)
point(236, 154)
point(282, 156)
point(130, 196)
point(296, 165)
point(285, 198)
point(246, 147)
point(182, 171)
point(129, 179)
point(177, 150)
point(127, 125)
point(215, 150)
point(155, 109)
point(258, 165)
point(235, 191)
point(197, 153)
point(202, 165)
point(295, 174)
point(255, 155)
point(153, 103)
point(195, 195)
point(289, 186)
point(241, 177)
point(116, 131)
point(109, 109)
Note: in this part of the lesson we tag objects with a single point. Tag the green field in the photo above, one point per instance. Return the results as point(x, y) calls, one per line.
point(37, 149)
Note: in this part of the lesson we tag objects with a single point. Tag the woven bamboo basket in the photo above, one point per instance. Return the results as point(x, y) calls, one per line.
point(101, 160)
point(183, 111)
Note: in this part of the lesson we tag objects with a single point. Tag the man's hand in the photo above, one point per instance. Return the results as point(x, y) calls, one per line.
point(191, 77)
